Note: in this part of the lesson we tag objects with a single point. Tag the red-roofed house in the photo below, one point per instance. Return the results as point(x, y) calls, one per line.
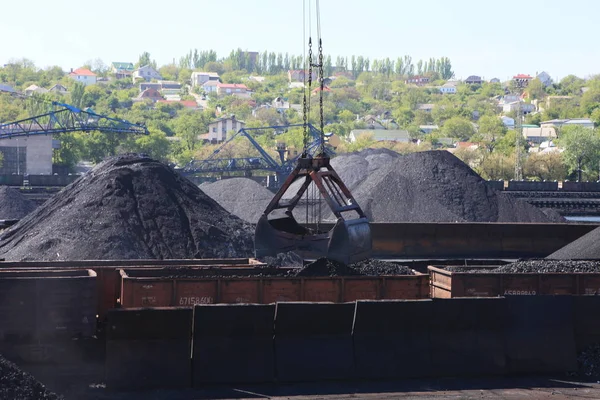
point(318, 89)
point(83, 75)
point(522, 80)
point(236, 89)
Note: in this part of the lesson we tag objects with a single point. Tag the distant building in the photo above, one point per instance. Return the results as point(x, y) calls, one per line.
point(417, 80)
point(58, 88)
point(545, 78)
point(298, 75)
point(448, 88)
point(146, 73)
point(280, 104)
point(539, 135)
point(199, 78)
point(508, 122)
point(559, 123)
point(149, 94)
point(425, 107)
point(122, 69)
point(83, 75)
point(210, 86)
point(474, 80)
point(428, 128)
point(525, 108)
point(7, 88)
point(522, 80)
point(372, 122)
point(217, 130)
point(34, 89)
point(494, 80)
point(236, 89)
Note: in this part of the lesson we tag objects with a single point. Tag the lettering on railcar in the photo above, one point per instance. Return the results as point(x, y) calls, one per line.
point(192, 300)
point(520, 293)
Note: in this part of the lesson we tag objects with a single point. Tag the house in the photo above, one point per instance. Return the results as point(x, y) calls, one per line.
point(299, 75)
point(474, 80)
point(466, 145)
point(381, 135)
point(280, 104)
point(169, 85)
point(522, 80)
point(235, 89)
point(559, 123)
point(217, 130)
point(7, 88)
point(494, 80)
point(58, 88)
point(417, 80)
point(539, 135)
point(508, 122)
point(199, 77)
point(34, 89)
point(318, 89)
point(372, 122)
point(210, 86)
point(525, 108)
point(259, 79)
point(448, 88)
point(83, 75)
point(550, 100)
point(150, 85)
point(509, 98)
point(545, 78)
point(149, 94)
point(425, 107)
point(122, 69)
point(146, 73)
point(428, 128)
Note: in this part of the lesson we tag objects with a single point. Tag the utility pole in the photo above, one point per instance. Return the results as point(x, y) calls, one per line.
point(519, 135)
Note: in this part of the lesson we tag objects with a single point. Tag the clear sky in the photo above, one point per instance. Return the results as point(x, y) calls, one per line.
point(481, 37)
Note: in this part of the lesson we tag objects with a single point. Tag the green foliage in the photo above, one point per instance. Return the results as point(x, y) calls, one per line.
point(582, 151)
point(458, 127)
point(491, 127)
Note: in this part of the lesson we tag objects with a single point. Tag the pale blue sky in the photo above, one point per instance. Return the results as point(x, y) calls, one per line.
point(487, 38)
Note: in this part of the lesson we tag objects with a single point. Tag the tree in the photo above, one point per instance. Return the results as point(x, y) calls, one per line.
point(491, 127)
point(155, 145)
point(458, 127)
point(535, 89)
point(77, 93)
point(582, 151)
point(497, 166)
point(545, 167)
point(144, 60)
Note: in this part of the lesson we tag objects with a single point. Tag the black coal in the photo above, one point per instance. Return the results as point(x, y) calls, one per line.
point(586, 247)
point(128, 207)
point(537, 266)
point(371, 267)
point(13, 205)
point(16, 384)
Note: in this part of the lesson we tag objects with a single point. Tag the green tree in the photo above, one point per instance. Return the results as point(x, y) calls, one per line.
point(458, 127)
point(582, 151)
point(155, 145)
point(535, 89)
point(491, 127)
point(545, 167)
point(77, 94)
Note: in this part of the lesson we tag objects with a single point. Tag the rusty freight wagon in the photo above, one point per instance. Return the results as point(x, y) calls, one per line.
point(143, 287)
point(449, 284)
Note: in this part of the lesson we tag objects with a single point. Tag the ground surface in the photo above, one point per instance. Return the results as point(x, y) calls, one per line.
point(83, 384)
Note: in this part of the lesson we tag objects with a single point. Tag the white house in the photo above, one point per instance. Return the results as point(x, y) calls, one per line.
point(146, 73)
point(508, 122)
point(526, 108)
point(448, 88)
point(200, 77)
point(539, 135)
point(210, 86)
point(83, 75)
point(217, 130)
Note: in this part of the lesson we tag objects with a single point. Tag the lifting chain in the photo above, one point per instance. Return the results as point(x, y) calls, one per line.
point(306, 103)
point(322, 84)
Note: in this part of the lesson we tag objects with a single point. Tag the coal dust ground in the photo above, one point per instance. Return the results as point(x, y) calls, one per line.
point(128, 207)
point(13, 205)
point(536, 267)
point(16, 384)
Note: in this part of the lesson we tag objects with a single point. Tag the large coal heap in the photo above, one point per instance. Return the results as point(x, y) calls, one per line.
point(17, 384)
point(586, 247)
point(13, 205)
point(242, 197)
point(128, 207)
point(429, 186)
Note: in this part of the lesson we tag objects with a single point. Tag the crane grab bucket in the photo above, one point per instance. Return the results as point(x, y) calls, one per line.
point(349, 240)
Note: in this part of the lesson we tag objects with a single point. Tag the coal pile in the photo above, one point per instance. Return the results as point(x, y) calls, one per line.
point(429, 186)
point(13, 205)
point(371, 267)
point(242, 197)
point(284, 260)
point(537, 267)
point(586, 247)
point(589, 361)
point(128, 207)
point(16, 384)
